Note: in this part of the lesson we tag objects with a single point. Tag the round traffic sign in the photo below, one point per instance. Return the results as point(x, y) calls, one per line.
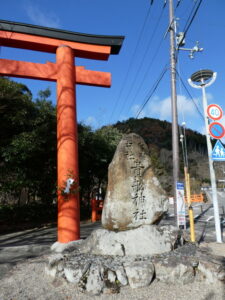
point(216, 130)
point(214, 112)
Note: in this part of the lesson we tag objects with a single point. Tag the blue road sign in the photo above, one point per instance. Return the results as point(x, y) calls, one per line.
point(216, 130)
point(218, 153)
point(180, 186)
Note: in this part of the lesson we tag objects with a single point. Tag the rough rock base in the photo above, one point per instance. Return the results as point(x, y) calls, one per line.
point(97, 274)
point(145, 240)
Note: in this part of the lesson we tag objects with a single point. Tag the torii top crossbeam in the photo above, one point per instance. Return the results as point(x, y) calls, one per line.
point(67, 45)
point(46, 39)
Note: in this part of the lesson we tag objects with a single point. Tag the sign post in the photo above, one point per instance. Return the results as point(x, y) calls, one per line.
point(200, 80)
point(181, 221)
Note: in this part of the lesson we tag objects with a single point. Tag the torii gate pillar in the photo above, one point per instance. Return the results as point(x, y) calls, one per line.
point(67, 148)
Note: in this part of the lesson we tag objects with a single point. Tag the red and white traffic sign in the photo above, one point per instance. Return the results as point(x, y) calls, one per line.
point(216, 130)
point(214, 112)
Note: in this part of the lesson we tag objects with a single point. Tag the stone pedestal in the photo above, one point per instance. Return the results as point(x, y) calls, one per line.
point(144, 240)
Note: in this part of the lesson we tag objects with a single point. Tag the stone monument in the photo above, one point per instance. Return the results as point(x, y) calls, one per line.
point(134, 204)
point(134, 196)
point(132, 248)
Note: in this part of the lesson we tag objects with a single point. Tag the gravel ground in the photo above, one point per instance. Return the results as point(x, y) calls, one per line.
point(27, 280)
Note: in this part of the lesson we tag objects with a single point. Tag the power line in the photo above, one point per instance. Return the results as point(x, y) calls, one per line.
point(190, 14)
point(190, 19)
point(178, 3)
point(142, 61)
point(178, 71)
point(193, 17)
point(131, 62)
point(149, 95)
point(189, 94)
point(147, 71)
point(153, 89)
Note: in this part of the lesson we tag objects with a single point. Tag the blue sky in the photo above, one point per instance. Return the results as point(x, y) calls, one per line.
point(143, 56)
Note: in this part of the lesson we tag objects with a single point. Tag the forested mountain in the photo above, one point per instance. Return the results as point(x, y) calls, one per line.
point(158, 136)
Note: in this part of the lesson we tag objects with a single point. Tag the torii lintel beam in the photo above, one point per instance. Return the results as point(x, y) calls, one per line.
point(26, 36)
point(49, 70)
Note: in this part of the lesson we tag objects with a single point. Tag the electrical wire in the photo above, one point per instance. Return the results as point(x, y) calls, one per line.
point(131, 62)
point(178, 3)
point(147, 71)
point(189, 94)
point(187, 27)
point(128, 127)
point(178, 67)
point(190, 19)
point(142, 61)
point(190, 14)
point(193, 17)
point(153, 89)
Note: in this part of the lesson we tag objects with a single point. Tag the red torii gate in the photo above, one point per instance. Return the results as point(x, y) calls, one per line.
point(67, 45)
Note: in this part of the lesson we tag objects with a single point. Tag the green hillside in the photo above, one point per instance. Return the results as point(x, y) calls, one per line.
point(158, 136)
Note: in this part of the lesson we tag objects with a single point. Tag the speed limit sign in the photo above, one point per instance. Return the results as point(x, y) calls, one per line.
point(214, 112)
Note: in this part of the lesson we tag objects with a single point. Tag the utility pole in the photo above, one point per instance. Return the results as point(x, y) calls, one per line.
point(175, 139)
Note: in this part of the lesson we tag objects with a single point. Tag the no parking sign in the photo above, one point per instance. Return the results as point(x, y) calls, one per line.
point(216, 130)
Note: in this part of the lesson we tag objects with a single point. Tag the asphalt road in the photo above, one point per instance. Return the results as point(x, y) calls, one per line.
point(204, 218)
point(18, 246)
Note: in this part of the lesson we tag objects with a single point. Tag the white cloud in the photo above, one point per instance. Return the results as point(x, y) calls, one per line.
point(40, 16)
point(162, 108)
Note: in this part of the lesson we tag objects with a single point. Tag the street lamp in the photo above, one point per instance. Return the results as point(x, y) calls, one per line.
point(201, 80)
